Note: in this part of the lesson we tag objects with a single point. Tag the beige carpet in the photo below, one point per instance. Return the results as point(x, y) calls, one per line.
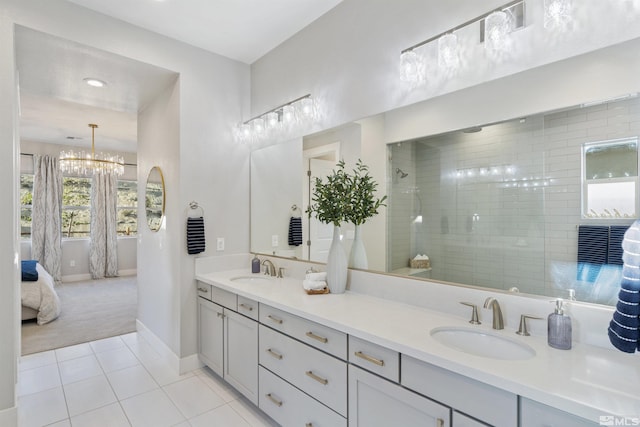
point(91, 310)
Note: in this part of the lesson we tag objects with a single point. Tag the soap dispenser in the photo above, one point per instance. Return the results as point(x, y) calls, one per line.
point(559, 328)
point(255, 264)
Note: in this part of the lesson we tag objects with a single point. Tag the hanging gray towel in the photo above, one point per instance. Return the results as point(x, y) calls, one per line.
point(195, 235)
point(295, 231)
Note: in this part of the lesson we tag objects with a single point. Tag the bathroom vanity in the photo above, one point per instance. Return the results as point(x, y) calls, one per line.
point(358, 360)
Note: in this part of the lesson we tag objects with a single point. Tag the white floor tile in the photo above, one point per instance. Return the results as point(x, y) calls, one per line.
point(153, 409)
point(38, 379)
point(39, 409)
point(79, 369)
point(106, 344)
point(73, 352)
point(163, 373)
point(131, 381)
point(193, 397)
point(37, 360)
point(183, 424)
point(224, 416)
point(63, 423)
point(254, 416)
point(119, 358)
point(89, 394)
point(107, 416)
point(217, 384)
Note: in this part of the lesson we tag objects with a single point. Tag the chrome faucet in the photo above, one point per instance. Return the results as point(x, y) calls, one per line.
point(492, 303)
point(270, 269)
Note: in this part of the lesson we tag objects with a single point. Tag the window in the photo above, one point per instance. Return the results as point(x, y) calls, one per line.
point(127, 214)
point(76, 203)
point(610, 179)
point(26, 200)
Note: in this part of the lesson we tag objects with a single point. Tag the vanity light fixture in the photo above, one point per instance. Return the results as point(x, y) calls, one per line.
point(278, 120)
point(83, 163)
point(495, 28)
point(557, 14)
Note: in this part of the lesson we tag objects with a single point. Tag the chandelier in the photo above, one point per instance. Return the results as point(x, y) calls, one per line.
point(83, 163)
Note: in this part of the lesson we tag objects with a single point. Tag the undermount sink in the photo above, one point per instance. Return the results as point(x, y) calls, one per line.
point(482, 343)
point(251, 279)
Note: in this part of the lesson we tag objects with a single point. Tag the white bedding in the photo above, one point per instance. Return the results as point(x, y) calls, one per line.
point(41, 296)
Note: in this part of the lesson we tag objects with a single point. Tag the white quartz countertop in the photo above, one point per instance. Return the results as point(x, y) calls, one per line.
point(587, 381)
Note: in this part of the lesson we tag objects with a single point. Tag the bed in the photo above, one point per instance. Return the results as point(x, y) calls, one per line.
point(39, 298)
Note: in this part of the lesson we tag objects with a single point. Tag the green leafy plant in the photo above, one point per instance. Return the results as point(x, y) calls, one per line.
point(345, 197)
point(363, 203)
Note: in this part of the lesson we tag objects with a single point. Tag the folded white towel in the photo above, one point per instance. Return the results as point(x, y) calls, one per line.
point(314, 285)
point(316, 276)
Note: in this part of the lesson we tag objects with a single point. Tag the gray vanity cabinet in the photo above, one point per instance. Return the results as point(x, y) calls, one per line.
point(536, 414)
point(241, 354)
point(227, 340)
point(376, 402)
point(211, 335)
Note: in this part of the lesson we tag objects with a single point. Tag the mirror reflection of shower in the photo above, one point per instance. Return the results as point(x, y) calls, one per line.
point(401, 174)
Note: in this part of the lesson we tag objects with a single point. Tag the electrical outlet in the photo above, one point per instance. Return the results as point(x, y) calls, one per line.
point(274, 240)
point(72, 263)
point(220, 244)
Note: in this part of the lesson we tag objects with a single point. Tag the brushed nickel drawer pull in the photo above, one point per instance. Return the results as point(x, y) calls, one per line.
point(274, 354)
point(274, 400)
point(317, 337)
point(205, 290)
point(369, 358)
point(246, 307)
point(439, 422)
point(317, 378)
point(275, 319)
point(220, 314)
point(308, 425)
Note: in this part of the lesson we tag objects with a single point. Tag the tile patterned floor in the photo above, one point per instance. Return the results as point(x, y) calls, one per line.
point(122, 381)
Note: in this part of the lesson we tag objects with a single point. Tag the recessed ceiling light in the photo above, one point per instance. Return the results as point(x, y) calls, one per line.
point(95, 82)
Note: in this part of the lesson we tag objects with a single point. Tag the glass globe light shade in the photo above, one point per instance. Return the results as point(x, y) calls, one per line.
point(557, 13)
point(271, 119)
point(288, 114)
point(411, 67)
point(496, 31)
point(258, 125)
point(448, 55)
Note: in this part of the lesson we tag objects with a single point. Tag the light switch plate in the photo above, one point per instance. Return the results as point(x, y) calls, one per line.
point(274, 240)
point(220, 244)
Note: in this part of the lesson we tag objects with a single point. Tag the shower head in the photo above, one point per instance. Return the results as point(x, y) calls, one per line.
point(401, 173)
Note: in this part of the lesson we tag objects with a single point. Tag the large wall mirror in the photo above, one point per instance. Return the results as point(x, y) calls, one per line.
point(506, 205)
point(154, 198)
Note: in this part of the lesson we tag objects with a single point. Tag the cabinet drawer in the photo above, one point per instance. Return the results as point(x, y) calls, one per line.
point(318, 374)
point(224, 298)
point(248, 307)
point(377, 359)
point(204, 290)
point(484, 402)
point(536, 414)
point(312, 333)
point(290, 407)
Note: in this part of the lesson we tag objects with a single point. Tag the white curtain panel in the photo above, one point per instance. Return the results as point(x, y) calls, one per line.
point(46, 219)
point(103, 249)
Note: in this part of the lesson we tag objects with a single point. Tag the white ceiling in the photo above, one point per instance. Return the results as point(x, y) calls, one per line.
point(243, 30)
point(57, 104)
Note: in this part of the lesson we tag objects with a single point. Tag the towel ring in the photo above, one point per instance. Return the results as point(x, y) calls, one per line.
point(295, 208)
point(194, 206)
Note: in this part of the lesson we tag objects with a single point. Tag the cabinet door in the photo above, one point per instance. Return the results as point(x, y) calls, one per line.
point(461, 420)
point(376, 402)
point(536, 414)
point(210, 334)
point(241, 354)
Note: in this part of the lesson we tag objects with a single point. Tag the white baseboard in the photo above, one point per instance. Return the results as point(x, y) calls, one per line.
point(84, 277)
point(9, 417)
point(179, 365)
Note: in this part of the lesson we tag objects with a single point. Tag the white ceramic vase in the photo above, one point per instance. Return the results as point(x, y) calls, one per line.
point(358, 257)
point(336, 264)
